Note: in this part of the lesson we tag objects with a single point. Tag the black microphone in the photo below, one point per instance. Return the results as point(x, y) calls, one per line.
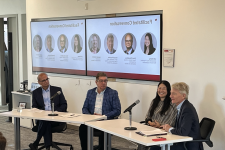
point(58, 93)
point(131, 106)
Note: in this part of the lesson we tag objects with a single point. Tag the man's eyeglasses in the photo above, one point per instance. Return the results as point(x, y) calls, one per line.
point(101, 81)
point(44, 80)
point(128, 41)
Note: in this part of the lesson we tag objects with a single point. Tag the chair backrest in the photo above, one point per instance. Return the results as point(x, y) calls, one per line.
point(206, 128)
point(60, 128)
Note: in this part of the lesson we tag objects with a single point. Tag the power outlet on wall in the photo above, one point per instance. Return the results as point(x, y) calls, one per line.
point(86, 6)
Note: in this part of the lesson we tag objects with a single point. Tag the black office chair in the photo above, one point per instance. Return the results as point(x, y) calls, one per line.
point(206, 128)
point(58, 129)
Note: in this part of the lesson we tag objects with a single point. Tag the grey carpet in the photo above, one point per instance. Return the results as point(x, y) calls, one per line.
point(70, 136)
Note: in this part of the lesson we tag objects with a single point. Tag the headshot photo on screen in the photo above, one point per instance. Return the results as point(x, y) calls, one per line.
point(128, 43)
point(77, 43)
point(148, 43)
point(49, 43)
point(62, 43)
point(37, 43)
point(94, 43)
point(110, 43)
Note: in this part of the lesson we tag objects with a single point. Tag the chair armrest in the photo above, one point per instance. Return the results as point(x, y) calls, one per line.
point(202, 140)
point(142, 122)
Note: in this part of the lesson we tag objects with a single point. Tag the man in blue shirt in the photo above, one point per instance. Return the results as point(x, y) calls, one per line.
point(110, 44)
point(100, 100)
point(41, 100)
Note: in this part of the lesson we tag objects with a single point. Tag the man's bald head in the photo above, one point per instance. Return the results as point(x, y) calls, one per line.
point(128, 41)
point(43, 80)
point(41, 75)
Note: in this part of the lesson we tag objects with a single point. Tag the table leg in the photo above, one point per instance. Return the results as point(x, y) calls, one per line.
point(105, 140)
point(17, 133)
point(90, 138)
point(168, 146)
point(163, 146)
point(109, 141)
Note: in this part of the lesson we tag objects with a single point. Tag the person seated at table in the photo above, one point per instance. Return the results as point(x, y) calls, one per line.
point(101, 100)
point(161, 110)
point(41, 100)
point(2, 142)
point(187, 122)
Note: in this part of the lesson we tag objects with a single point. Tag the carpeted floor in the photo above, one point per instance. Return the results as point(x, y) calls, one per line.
point(70, 136)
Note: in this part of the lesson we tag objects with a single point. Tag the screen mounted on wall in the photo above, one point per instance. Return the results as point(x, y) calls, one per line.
point(125, 47)
point(59, 46)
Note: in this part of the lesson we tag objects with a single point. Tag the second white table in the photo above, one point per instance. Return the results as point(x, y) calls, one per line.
point(116, 127)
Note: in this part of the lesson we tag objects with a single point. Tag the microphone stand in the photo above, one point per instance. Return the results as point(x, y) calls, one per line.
point(52, 114)
point(130, 118)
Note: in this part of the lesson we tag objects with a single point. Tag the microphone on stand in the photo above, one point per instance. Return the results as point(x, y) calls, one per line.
point(130, 115)
point(57, 93)
point(131, 106)
point(52, 101)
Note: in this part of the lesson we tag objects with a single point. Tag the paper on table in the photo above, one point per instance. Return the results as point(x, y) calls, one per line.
point(35, 110)
point(69, 115)
point(153, 132)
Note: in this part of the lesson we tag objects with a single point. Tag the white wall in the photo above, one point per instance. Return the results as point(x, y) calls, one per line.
point(194, 28)
point(9, 7)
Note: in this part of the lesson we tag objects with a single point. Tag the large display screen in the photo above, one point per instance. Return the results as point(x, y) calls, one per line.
point(59, 46)
point(125, 47)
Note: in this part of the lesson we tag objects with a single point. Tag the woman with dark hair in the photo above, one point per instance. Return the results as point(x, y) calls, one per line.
point(161, 110)
point(77, 47)
point(148, 45)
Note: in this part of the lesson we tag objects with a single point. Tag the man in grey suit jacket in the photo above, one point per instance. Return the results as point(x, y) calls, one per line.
point(187, 122)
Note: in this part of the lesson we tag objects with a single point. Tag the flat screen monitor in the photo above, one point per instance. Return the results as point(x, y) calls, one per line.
point(125, 47)
point(58, 46)
point(34, 86)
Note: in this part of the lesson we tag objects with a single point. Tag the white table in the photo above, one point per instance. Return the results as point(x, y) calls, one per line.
point(116, 127)
point(29, 114)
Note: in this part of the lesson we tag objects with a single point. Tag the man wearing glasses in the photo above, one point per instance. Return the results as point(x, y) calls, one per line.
point(63, 41)
point(101, 100)
point(41, 100)
point(128, 44)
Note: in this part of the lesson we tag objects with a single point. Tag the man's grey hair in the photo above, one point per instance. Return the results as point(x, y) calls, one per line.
point(110, 36)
